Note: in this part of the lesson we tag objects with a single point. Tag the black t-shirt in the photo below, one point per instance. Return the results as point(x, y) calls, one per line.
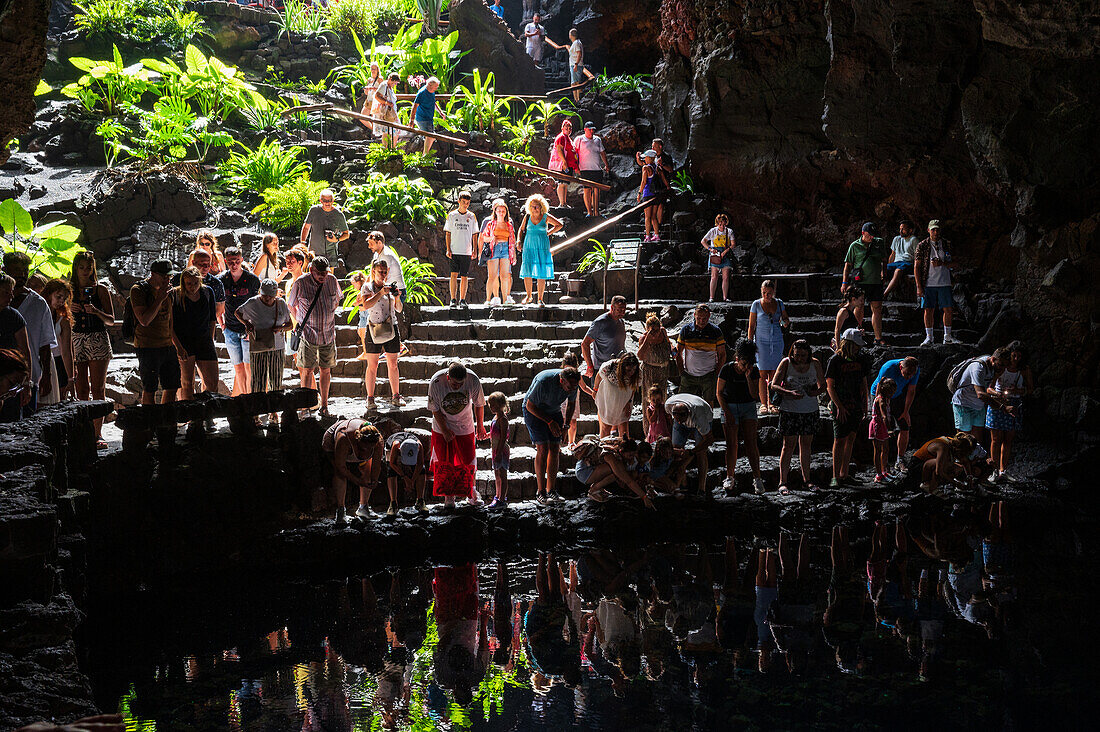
point(849, 376)
point(191, 320)
point(11, 322)
point(237, 292)
point(736, 389)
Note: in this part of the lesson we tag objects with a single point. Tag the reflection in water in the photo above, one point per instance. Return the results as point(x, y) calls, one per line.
point(671, 635)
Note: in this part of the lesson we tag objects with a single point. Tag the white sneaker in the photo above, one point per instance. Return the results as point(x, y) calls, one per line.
point(494, 300)
point(926, 342)
point(363, 512)
point(950, 340)
point(475, 499)
point(758, 484)
point(509, 301)
point(727, 484)
point(899, 467)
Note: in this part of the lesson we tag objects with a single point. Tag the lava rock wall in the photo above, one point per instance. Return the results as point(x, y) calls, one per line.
point(811, 117)
point(22, 56)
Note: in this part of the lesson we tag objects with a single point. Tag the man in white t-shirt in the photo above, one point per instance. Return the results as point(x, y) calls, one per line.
point(692, 419)
point(593, 161)
point(576, 62)
point(535, 33)
point(900, 263)
point(459, 230)
point(457, 403)
point(968, 403)
point(41, 337)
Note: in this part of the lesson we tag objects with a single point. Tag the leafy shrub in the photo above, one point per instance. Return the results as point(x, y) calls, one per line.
point(166, 134)
point(107, 84)
point(366, 18)
point(268, 166)
point(51, 247)
point(379, 156)
point(477, 107)
point(298, 17)
point(219, 90)
point(285, 207)
point(160, 23)
point(683, 183)
point(505, 169)
point(391, 198)
point(624, 82)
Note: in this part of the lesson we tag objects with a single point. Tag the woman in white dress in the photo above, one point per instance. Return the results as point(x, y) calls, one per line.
point(613, 391)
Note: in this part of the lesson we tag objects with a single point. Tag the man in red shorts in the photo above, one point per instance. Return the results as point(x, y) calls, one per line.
point(455, 398)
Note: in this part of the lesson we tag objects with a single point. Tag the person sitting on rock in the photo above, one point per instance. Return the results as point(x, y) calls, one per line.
point(900, 263)
point(354, 450)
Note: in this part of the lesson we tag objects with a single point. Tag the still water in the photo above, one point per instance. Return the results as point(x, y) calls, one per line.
point(894, 626)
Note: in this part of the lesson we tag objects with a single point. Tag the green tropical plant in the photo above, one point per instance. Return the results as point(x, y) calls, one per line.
point(107, 84)
point(357, 75)
point(268, 166)
point(163, 24)
point(368, 18)
point(683, 183)
point(166, 134)
point(624, 82)
point(434, 56)
point(519, 136)
point(51, 247)
point(381, 197)
point(597, 258)
point(543, 112)
point(505, 169)
point(477, 107)
point(429, 11)
point(285, 207)
point(379, 156)
point(274, 77)
point(215, 87)
point(418, 276)
point(110, 130)
point(298, 17)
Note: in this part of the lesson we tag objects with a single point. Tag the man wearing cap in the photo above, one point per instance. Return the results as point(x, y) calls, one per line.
point(405, 460)
point(154, 340)
point(846, 381)
point(593, 161)
point(266, 318)
point(933, 265)
point(240, 285)
point(550, 393)
point(700, 354)
point(456, 399)
point(865, 265)
point(693, 419)
point(318, 294)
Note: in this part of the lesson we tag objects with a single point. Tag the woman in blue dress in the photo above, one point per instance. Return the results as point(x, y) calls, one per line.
point(767, 318)
point(534, 234)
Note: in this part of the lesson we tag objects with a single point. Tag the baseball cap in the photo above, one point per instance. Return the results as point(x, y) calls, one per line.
point(269, 287)
point(855, 335)
point(649, 154)
point(590, 125)
point(934, 224)
point(162, 267)
point(410, 450)
point(870, 228)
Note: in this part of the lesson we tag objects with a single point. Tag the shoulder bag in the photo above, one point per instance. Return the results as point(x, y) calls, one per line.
point(296, 335)
point(382, 332)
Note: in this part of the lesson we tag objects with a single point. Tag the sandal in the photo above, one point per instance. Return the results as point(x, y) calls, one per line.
point(812, 487)
point(324, 412)
point(599, 495)
point(784, 490)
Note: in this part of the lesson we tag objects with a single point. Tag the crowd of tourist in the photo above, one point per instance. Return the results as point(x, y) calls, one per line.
point(55, 344)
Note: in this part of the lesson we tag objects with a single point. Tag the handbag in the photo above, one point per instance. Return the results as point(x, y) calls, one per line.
point(382, 332)
point(296, 335)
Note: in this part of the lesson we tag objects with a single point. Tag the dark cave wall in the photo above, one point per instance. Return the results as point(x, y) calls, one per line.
point(22, 56)
point(811, 117)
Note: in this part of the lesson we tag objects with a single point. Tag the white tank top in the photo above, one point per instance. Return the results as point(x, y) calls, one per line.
point(1009, 380)
point(800, 381)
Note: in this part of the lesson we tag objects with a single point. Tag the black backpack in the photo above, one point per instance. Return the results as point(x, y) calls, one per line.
point(129, 322)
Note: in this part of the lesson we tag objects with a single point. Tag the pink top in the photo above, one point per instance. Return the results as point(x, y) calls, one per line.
point(658, 423)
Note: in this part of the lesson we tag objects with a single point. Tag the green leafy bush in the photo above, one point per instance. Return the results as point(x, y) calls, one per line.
point(683, 183)
point(51, 247)
point(107, 84)
point(477, 107)
point(298, 17)
point(268, 166)
point(160, 23)
point(379, 156)
point(505, 169)
point(391, 198)
point(168, 133)
point(217, 89)
point(624, 82)
point(367, 18)
point(285, 207)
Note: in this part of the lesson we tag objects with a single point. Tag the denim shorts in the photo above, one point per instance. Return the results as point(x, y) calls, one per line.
point(503, 464)
point(937, 298)
point(737, 413)
point(539, 430)
point(500, 250)
point(237, 345)
point(583, 471)
point(905, 267)
point(681, 435)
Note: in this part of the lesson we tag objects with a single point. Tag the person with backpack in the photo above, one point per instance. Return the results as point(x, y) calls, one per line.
point(148, 323)
point(969, 383)
point(865, 265)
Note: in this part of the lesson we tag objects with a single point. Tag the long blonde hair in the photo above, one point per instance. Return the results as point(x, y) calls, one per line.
point(536, 199)
point(620, 371)
point(848, 349)
point(188, 272)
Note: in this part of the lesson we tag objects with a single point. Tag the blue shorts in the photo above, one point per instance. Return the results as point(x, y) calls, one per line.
point(937, 298)
point(500, 250)
point(724, 263)
point(905, 267)
point(237, 345)
point(735, 414)
point(539, 430)
point(502, 464)
point(681, 435)
point(967, 418)
point(363, 319)
point(576, 76)
point(583, 471)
